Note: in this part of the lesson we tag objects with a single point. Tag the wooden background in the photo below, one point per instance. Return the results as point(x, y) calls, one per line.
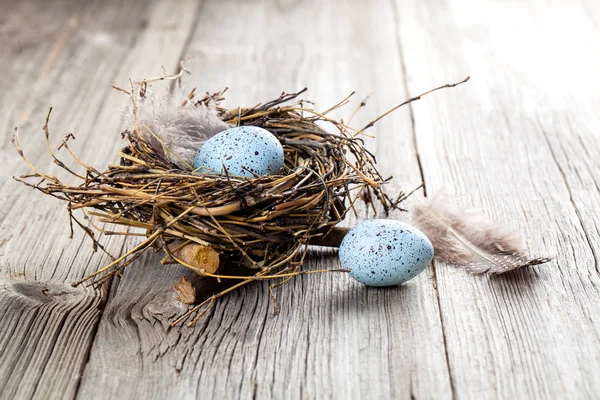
point(520, 140)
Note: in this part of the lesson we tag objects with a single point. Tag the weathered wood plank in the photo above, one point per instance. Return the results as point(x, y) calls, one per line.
point(333, 338)
point(518, 141)
point(47, 326)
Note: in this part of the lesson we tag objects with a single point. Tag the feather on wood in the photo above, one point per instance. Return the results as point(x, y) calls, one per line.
point(466, 239)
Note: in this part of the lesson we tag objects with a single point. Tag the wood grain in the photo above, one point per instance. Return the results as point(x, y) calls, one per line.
point(47, 327)
point(332, 338)
point(515, 141)
point(520, 140)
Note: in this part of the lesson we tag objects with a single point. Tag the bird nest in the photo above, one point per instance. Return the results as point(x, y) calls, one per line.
point(224, 227)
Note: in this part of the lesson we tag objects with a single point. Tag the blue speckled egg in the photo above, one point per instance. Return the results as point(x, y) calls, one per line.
point(383, 252)
point(254, 148)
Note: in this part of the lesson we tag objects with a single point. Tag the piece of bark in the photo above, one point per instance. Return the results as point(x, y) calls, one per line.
point(187, 290)
point(193, 289)
point(198, 256)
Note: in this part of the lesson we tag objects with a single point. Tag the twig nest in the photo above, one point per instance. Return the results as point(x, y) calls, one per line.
point(383, 252)
point(283, 179)
point(246, 151)
point(255, 197)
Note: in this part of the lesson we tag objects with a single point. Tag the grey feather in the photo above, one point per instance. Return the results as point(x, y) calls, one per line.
point(176, 130)
point(466, 239)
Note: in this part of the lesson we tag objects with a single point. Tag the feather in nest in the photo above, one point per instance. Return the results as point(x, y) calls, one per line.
point(466, 239)
point(182, 129)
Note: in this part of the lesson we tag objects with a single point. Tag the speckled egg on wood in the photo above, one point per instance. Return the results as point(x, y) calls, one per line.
point(383, 252)
point(243, 150)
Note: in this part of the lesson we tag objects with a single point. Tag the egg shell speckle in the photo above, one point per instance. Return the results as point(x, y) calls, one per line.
point(251, 147)
point(383, 252)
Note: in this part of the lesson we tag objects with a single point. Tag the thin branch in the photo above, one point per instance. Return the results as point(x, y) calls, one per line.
point(448, 85)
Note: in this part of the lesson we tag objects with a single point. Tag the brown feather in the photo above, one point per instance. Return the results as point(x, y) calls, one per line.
point(466, 239)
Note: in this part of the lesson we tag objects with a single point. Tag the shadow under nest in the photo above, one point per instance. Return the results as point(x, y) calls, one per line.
point(238, 229)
